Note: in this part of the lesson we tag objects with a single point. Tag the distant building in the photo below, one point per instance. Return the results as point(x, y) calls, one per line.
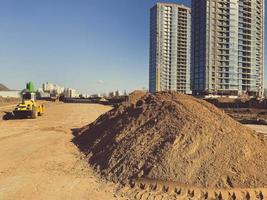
point(84, 96)
point(41, 94)
point(170, 35)
point(116, 93)
point(11, 93)
point(111, 94)
point(47, 87)
point(95, 96)
point(228, 47)
point(70, 93)
point(53, 88)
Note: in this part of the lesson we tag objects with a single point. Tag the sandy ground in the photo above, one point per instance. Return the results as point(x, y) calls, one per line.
point(258, 128)
point(39, 161)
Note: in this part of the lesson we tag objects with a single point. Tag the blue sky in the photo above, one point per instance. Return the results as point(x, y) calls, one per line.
point(91, 45)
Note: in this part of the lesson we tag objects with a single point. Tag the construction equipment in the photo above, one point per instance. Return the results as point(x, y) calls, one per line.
point(28, 107)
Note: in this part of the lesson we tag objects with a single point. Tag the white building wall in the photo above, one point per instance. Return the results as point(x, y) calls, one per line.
point(13, 94)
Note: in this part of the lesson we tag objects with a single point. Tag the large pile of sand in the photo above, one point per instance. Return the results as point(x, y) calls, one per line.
point(170, 136)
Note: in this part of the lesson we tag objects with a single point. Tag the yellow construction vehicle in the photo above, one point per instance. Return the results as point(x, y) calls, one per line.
point(28, 107)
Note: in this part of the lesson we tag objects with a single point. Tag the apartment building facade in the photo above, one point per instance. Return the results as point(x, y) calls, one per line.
point(227, 47)
point(170, 41)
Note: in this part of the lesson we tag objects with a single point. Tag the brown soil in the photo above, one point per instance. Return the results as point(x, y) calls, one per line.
point(174, 137)
point(8, 100)
point(163, 190)
point(134, 97)
point(248, 115)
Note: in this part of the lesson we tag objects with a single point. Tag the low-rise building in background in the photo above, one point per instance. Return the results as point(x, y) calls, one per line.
point(53, 88)
point(10, 94)
point(116, 94)
point(70, 93)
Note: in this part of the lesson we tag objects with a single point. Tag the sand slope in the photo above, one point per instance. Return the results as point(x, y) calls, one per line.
point(174, 137)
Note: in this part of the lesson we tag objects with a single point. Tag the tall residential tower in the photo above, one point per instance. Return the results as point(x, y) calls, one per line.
point(227, 47)
point(170, 37)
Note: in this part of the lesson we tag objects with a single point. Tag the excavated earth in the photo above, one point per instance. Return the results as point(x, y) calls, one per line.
point(177, 138)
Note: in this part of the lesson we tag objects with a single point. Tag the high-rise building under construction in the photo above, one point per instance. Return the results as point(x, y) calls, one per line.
point(170, 34)
point(227, 47)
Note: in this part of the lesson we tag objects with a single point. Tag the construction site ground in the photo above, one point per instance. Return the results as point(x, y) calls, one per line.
point(39, 161)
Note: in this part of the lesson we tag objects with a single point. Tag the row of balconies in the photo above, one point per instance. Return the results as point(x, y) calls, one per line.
point(245, 66)
point(248, 55)
point(225, 41)
point(244, 48)
point(244, 25)
point(243, 45)
point(244, 42)
point(245, 15)
point(244, 37)
point(224, 1)
point(245, 20)
point(223, 36)
point(245, 9)
point(248, 35)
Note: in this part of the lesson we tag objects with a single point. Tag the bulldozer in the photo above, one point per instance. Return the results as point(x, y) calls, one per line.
point(28, 107)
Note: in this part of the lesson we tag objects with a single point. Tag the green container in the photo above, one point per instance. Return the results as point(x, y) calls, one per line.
point(30, 86)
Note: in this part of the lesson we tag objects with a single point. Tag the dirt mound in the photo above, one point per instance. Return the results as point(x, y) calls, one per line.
point(3, 87)
point(175, 137)
point(134, 97)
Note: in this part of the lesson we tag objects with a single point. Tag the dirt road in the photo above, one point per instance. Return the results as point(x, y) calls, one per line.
point(39, 161)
